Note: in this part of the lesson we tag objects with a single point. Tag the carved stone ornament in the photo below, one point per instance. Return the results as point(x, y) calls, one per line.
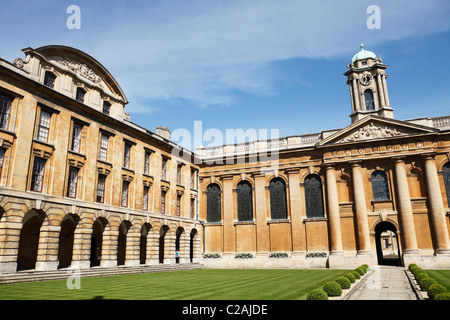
point(82, 70)
point(372, 131)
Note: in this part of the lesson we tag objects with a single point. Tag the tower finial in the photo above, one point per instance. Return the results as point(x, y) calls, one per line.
point(362, 46)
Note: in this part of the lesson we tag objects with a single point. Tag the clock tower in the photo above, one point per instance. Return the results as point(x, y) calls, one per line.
point(366, 78)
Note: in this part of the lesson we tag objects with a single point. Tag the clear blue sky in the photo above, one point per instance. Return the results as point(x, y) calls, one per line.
point(250, 63)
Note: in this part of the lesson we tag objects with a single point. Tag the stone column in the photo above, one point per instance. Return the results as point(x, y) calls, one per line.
point(405, 209)
point(439, 225)
point(381, 91)
point(298, 243)
point(228, 227)
point(334, 219)
point(356, 95)
point(262, 230)
point(362, 224)
point(386, 97)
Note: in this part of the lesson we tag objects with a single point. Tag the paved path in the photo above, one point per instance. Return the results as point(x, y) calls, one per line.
point(385, 283)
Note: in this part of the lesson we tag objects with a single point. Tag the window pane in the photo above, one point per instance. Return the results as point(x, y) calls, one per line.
point(244, 201)
point(278, 208)
point(147, 163)
point(106, 107)
point(103, 147)
point(178, 205)
point(49, 79)
point(73, 180)
point(125, 185)
point(76, 138)
point(213, 205)
point(44, 126)
point(80, 95)
point(192, 208)
point(163, 169)
point(163, 201)
point(5, 110)
point(37, 174)
point(313, 197)
point(126, 156)
point(380, 186)
point(368, 96)
point(101, 188)
point(145, 198)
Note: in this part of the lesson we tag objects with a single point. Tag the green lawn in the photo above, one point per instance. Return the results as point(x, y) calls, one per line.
point(199, 284)
point(441, 276)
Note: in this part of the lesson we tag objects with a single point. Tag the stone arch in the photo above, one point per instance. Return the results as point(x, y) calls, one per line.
point(98, 227)
point(143, 242)
point(124, 226)
point(179, 244)
point(163, 231)
point(66, 240)
point(29, 239)
point(193, 235)
point(387, 243)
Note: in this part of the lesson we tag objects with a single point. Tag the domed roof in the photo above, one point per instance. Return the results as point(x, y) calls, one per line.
point(363, 54)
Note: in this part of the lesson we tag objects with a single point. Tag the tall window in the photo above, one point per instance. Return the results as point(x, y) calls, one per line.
point(44, 126)
point(106, 107)
point(126, 155)
point(178, 205)
point(80, 95)
point(278, 207)
point(446, 174)
point(380, 186)
point(193, 179)
point(147, 162)
point(37, 176)
point(101, 188)
point(368, 97)
point(125, 185)
point(163, 201)
point(5, 111)
point(163, 169)
point(192, 208)
point(49, 79)
point(179, 174)
point(213, 212)
point(314, 196)
point(244, 201)
point(73, 180)
point(145, 198)
point(2, 155)
point(76, 137)
point(103, 147)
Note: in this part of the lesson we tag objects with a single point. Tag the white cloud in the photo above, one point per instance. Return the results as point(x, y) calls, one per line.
point(204, 50)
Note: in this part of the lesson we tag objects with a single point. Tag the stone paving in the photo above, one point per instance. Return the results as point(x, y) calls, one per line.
point(385, 283)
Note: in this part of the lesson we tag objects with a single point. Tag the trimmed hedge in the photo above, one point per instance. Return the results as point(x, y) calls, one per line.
point(420, 276)
point(332, 289)
point(350, 276)
point(317, 294)
point(360, 270)
point(356, 274)
point(344, 282)
point(442, 296)
point(425, 283)
point(434, 290)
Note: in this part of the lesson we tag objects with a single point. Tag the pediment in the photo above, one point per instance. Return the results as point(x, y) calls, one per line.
point(375, 128)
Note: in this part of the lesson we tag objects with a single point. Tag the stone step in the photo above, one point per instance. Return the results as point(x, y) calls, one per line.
point(31, 275)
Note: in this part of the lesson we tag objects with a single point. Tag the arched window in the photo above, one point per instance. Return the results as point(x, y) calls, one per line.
point(446, 174)
point(244, 201)
point(314, 196)
point(368, 97)
point(213, 203)
point(380, 186)
point(278, 208)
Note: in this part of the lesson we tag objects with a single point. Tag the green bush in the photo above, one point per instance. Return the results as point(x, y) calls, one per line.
point(442, 296)
point(434, 290)
point(356, 274)
point(412, 266)
point(360, 270)
point(366, 267)
point(425, 283)
point(343, 282)
point(421, 276)
point(332, 289)
point(350, 277)
point(317, 294)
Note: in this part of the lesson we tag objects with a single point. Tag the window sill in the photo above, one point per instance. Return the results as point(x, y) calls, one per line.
point(278, 221)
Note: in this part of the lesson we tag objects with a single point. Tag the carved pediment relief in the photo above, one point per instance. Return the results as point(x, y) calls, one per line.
point(375, 128)
point(81, 69)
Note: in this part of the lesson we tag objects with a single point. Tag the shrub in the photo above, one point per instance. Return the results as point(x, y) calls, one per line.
point(412, 266)
point(350, 277)
point(317, 294)
point(421, 276)
point(366, 267)
point(343, 282)
point(442, 296)
point(434, 290)
point(360, 270)
point(425, 283)
point(332, 289)
point(356, 274)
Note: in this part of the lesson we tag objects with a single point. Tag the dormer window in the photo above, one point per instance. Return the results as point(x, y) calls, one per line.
point(106, 107)
point(80, 95)
point(49, 79)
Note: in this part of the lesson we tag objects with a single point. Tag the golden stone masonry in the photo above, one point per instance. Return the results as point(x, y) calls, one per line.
point(83, 186)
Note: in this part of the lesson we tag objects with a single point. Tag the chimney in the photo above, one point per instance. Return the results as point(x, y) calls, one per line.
point(163, 132)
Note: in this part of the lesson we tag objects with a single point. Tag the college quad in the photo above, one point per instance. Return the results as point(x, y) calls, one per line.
point(83, 186)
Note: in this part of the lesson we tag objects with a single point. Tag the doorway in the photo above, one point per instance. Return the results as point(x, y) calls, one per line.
point(387, 244)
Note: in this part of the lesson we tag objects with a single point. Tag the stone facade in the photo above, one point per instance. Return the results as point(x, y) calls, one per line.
point(81, 185)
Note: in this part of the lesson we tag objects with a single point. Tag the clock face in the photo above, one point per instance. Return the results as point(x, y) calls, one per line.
point(366, 79)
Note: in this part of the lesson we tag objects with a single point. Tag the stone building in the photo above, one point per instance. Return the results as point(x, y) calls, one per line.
point(81, 185)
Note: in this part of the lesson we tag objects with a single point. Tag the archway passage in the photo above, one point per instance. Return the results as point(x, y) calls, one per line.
point(66, 237)
point(96, 243)
point(29, 240)
point(122, 242)
point(162, 235)
point(191, 245)
point(387, 243)
point(143, 243)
